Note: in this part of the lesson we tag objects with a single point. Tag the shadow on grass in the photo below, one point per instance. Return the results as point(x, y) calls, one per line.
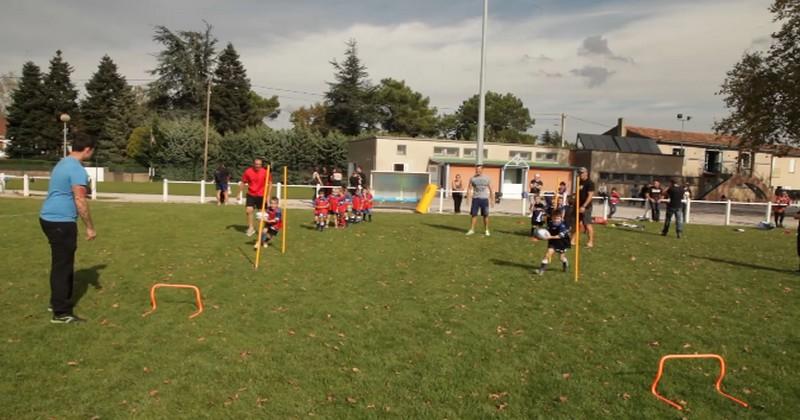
point(247, 256)
point(445, 227)
point(504, 263)
point(84, 278)
point(238, 228)
point(525, 233)
point(744, 264)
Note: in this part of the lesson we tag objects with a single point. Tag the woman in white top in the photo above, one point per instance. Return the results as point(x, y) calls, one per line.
point(457, 191)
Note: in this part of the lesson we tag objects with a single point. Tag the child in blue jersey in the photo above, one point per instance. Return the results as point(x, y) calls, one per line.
point(538, 213)
point(557, 242)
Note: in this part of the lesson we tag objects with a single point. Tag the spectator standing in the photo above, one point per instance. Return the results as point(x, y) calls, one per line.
point(66, 200)
point(355, 183)
point(585, 196)
point(654, 199)
point(643, 193)
point(457, 191)
point(336, 177)
point(222, 178)
point(535, 188)
point(779, 206)
point(480, 193)
point(316, 181)
point(675, 193)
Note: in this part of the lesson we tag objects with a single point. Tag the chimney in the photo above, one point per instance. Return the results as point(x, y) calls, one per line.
point(621, 131)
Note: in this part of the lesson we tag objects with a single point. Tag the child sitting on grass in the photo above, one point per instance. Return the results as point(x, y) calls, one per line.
point(272, 223)
point(557, 242)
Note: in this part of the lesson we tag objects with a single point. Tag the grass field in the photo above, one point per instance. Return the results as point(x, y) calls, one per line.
point(404, 318)
point(156, 187)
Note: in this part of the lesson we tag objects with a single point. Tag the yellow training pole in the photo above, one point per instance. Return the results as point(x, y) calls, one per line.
point(577, 227)
point(264, 198)
point(283, 217)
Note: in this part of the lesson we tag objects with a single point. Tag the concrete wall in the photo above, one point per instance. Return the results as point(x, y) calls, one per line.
point(786, 172)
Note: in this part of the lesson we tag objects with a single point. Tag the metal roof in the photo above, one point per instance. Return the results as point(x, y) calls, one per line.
point(471, 162)
point(609, 143)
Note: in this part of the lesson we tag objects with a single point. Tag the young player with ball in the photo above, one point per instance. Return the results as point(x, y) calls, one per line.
point(558, 241)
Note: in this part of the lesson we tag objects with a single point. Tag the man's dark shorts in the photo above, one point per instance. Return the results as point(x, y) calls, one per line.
point(222, 186)
point(481, 204)
point(254, 201)
point(586, 216)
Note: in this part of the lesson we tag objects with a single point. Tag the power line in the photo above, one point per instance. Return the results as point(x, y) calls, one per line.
point(588, 121)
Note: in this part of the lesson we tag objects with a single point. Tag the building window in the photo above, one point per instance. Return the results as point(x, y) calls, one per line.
point(517, 153)
point(399, 167)
point(472, 153)
point(713, 162)
point(678, 151)
point(604, 176)
point(445, 151)
point(401, 150)
point(546, 157)
point(791, 166)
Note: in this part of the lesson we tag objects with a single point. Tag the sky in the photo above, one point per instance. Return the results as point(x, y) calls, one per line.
point(596, 61)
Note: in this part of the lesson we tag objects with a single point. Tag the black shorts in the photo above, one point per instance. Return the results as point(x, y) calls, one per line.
point(222, 186)
point(586, 216)
point(254, 201)
point(560, 245)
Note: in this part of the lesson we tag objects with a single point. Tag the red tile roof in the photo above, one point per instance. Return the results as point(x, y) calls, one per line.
point(685, 137)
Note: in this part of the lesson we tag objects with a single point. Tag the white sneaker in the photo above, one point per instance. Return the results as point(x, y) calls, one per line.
point(487, 233)
point(470, 232)
point(251, 232)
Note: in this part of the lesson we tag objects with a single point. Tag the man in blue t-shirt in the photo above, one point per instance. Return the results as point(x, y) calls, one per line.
point(66, 200)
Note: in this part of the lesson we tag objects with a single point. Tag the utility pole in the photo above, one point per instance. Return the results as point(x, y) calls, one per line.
point(563, 127)
point(482, 95)
point(208, 117)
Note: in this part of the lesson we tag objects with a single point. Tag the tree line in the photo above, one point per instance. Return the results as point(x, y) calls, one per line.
point(162, 124)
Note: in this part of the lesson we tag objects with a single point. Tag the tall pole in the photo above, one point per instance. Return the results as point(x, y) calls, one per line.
point(563, 127)
point(482, 95)
point(208, 117)
point(65, 139)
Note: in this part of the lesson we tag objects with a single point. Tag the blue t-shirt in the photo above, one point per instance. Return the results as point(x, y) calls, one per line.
point(59, 206)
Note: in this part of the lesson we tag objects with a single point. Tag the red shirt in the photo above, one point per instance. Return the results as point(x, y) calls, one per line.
point(780, 204)
point(357, 203)
point(614, 197)
point(334, 202)
point(274, 218)
point(321, 204)
point(255, 180)
point(368, 201)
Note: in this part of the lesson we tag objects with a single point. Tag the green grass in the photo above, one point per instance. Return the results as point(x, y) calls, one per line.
point(156, 187)
point(405, 318)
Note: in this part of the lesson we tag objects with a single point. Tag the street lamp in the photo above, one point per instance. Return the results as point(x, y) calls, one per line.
point(683, 119)
point(65, 119)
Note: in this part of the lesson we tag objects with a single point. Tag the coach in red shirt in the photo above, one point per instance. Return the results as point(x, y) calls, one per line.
point(256, 179)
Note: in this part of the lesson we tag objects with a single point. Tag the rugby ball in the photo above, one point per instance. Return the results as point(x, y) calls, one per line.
point(542, 234)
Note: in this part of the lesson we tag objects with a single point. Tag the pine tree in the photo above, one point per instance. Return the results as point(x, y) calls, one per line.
point(109, 98)
point(27, 115)
point(348, 100)
point(61, 98)
point(404, 111)
point(231, 106)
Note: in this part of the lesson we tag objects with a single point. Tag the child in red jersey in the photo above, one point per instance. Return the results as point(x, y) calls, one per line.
point(333, 207)
point(358, 206)
point(321, 206)
point(366, 206)
point(272, 223)
point(344, 205)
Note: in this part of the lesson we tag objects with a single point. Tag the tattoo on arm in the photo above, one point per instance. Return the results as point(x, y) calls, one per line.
point(82, 205)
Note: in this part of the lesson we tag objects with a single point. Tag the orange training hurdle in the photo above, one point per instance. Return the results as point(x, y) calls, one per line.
point(199, 300)
point(718, 385)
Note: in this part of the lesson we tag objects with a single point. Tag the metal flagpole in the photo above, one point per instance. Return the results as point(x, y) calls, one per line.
point(482, 94)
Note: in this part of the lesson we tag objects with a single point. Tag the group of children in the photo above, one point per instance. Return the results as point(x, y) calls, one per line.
point(550, 216)
point(342, 207)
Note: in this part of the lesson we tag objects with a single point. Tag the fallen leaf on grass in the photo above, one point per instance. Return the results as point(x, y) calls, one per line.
point(356, 370)
point(115, 306)
point(653, 344)
point(351, 400)
point(497, 396)
point(72, 363)
point(153, 393)
point(626, 396)
point(502, 406)
point(291, 332)
point(562, 399)
point(261, 401)
point(566, 375)
point(687, 345)
point(747, 391)
point(146, 369)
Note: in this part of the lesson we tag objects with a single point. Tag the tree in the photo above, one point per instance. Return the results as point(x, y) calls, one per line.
point(404, 111)
point(348, 100)
point(183, 71)
point(231, 106)
point(552, 139)
point(507, 119)
point(180, 149)
point(762, 90)
point(311, 118)
point(61, 98)
point(8, 84)
point(263, 108)
point(27, 114)
point(109, 112)
point(142, 145)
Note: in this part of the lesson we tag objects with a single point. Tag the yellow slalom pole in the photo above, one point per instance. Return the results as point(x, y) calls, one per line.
point(577, 227)
point(283, 217)
point(265, 197)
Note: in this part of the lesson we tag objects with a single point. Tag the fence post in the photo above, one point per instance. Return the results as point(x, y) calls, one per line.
point(2, 182)
point(441, 200)
point(769, 211)
point(165, 197)
point(94, 189)
point(202, 191)
point(26, 186)
point(279, 192)
point(605, 208)
point(728, 213)
point(688, 210)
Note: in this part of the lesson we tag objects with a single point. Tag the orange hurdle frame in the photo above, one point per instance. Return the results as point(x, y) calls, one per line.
point(198, 298)
point(718, 384)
